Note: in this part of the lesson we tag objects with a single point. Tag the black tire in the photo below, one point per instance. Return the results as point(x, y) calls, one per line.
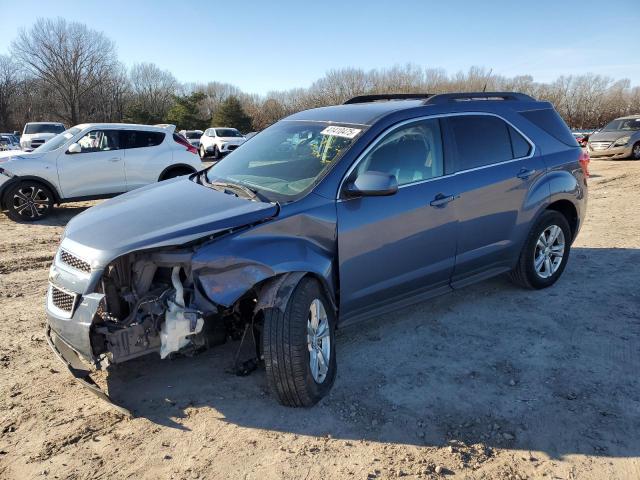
point(216, 153)
point(286, 350)
point(28, 201)
point(525, 274)
point(176, 172)
point(203, 152)
point(635, 151)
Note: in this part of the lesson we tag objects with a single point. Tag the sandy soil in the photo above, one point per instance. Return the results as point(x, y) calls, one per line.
point(488, 382)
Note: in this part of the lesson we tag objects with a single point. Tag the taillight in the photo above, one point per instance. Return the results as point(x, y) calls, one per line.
point(584, 162)
point(184, 142)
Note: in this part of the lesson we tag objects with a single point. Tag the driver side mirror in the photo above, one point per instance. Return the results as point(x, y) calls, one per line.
point(372, 184)
point(74, 148)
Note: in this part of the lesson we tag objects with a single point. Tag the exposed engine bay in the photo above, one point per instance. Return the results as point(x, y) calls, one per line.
point(150, 306)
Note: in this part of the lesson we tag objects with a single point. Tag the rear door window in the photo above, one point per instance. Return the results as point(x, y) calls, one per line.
point(480, 140)
point(140, 138)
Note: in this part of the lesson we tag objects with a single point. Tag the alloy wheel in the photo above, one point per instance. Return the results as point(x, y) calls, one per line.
point(318, 341)
point(636, 151)
point(549, 250)
point(31, 202)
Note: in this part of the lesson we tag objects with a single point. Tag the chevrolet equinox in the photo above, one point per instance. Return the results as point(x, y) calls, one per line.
point(327, 217)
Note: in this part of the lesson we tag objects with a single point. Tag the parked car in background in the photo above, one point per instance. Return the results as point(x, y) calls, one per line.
point(88, 161)
point(9, 142)
point(217, 142)
point(192, 136)
point(329, 216)
point(620, 138)
point(37, 133)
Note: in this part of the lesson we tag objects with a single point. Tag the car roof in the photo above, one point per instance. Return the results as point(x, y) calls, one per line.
point(628, 117)
point(366, 110)
point(124, 126)
point(44, 123)
point(356, 113)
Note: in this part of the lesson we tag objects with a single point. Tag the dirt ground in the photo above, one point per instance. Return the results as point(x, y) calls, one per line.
point(490, 382)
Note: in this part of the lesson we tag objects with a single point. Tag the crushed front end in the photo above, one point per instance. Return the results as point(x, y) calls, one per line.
point(140, 303)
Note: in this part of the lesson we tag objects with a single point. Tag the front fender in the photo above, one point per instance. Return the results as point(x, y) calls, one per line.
point(226, 268)
point(35, 169)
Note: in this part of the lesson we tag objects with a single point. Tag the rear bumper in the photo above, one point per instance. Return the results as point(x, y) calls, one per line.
point(77, 368)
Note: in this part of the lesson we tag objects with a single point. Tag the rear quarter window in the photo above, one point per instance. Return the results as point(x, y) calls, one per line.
point(140, 138)
point(548, 120)
point(521, 148)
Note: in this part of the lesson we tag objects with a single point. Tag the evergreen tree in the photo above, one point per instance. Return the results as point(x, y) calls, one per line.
point(231, 114)
point(185, 114)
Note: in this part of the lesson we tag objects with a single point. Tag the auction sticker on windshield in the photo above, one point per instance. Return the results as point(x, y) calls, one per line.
point(345, 132)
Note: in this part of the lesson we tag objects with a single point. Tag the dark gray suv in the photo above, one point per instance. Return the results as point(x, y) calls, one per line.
point(330, 216)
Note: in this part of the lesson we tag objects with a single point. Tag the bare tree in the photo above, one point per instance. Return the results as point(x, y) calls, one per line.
point(64, 71)
point(152, 91)
point(69, 57)
point(9, 86)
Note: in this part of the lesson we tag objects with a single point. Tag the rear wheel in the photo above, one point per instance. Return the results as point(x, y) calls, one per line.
point(545, 252)
point(635, 151)
point(299, 346)
point(28, 201)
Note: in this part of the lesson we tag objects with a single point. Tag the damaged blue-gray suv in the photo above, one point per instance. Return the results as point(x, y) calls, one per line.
point(330, 216)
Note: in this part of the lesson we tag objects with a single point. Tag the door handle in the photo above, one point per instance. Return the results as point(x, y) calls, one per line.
point(441, 200)
point(114, 159)
point(525, 173)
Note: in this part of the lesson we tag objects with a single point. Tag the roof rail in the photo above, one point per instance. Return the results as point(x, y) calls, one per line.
point(388, 96)
point(470, 96)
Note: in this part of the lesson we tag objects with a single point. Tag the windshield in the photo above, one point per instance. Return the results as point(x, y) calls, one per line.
point(227, 132)
point(286, 160)
point(193, 134)
point(43, 128)
point(57, 141)
point(623, 124)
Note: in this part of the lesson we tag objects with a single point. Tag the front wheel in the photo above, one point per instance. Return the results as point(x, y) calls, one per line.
point(545, 252)
point(28, 201)
point(635, 151)
point(216, 153)
point(299, 346)
point(203, 152)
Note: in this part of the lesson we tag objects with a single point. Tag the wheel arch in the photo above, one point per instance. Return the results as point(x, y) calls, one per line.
point(175, 166)
point(57, 198)
point(569, 211)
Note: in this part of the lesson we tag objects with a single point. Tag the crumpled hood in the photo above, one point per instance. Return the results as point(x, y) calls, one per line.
point(172, 212)
point(610, 136)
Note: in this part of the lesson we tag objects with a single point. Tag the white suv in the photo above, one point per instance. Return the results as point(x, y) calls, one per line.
point(89, 161)
point(36, 133)
point(217, 142)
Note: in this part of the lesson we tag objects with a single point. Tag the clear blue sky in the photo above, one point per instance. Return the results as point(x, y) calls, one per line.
point(265, 45)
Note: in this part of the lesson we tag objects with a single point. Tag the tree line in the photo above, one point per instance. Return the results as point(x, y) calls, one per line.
point(64, 71)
